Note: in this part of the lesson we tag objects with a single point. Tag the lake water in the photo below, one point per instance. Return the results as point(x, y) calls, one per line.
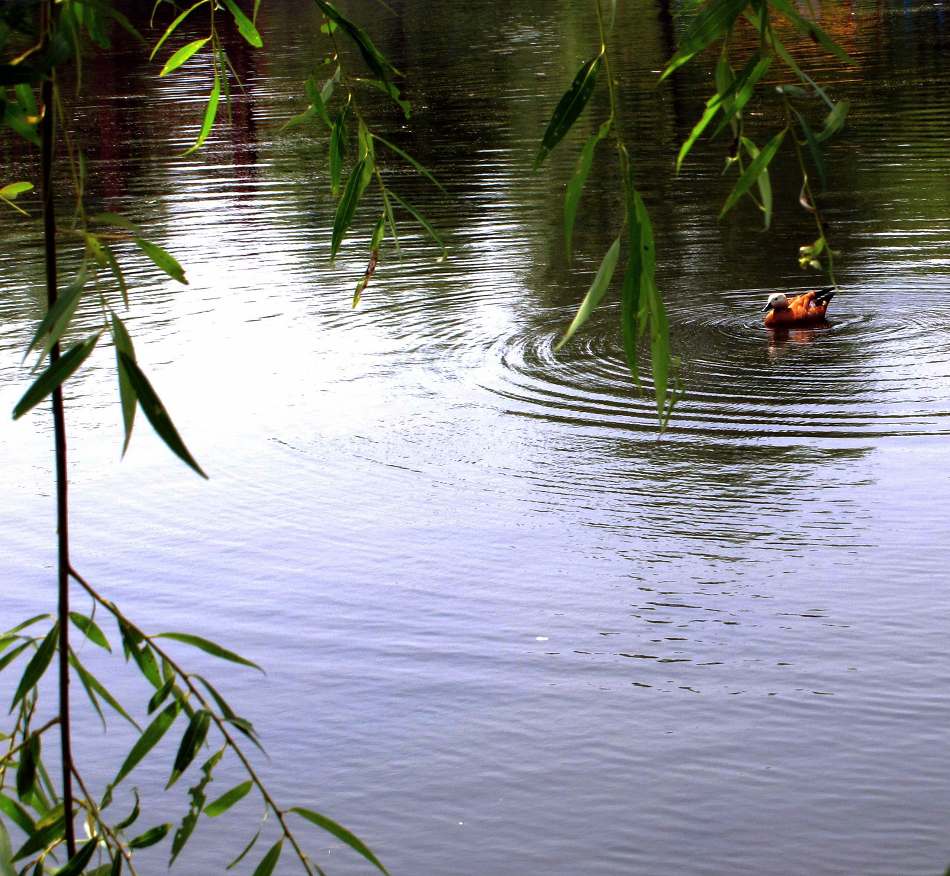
point(507, 628)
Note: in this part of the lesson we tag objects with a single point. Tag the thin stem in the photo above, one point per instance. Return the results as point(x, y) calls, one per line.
point(59, 439)
point(51, 723)
point(94, 811)
point(207, 706)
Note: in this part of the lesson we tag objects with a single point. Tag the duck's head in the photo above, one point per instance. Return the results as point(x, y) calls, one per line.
point(777, 301)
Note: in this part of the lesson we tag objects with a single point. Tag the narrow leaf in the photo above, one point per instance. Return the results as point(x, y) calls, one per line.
point(161, 695)
point(596, 292)
point(37, 665)
point(26, 769)
point(422, 221)
point(173, 26)
point(835, 120)
point(713, 21)
point(93, 683)
point(211, 113)
point(341, 833)
point(243, 854)
point(244, 24)
point(182, 55)
point(375, 60)
point(569, 107)
point(419, 167)
point(191, 741)
point(228, 799)
point(11, 190)
point(10, 656)
point(150, 837)
point(6, 853)
point(123, 344)
point(269, 861)
point(163, 259)
point(90, 629)
point(155, 413)
point(77, 863)
point(41, 838)
point(753, 171)
point(355, 186)
point(17, 814)
point(337, 141)
point(209, 647)
point(574, 188)
point(147, 741)
point(57, 318)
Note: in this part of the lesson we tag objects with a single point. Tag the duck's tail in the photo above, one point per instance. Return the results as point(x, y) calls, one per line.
point(825, 294)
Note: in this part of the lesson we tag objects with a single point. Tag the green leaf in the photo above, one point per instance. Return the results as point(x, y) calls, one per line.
point(6, 853)
point(244, 24)
point(161, 694)
point(243, 854)
point(55, 375)
point(132, 817)
point(811, 29)
point(10, 191)
point(209, 647)
point(711, 23)
point(574, 188)
point(17, 814)
point(90, 629)
point(42, 837)
point(174, 25)
point(228, 799)
point(197, 795)
point(269, 861)
point(93, 683)
point(814, 148)
point(764, 183)
point(26, 770)
point(123, 344)
point(835, 120)
point(163, 259)
point(27, 623)
point(150, 837)
point(77, 863)
point(155, 412)
point(423, 170)
point(346, 209)
point(182, 55)
point(752, 173)
point(570, 106)
point(57, 318)
point(596, 292)
point(147, 741)
point(117, 272)
point(211, 113)
point(116, 220)
point(423, 222)
point(341, 833)
point(12, 655)
point(375, 60)
point(37, 665)
point(191, 741)
point(390, 89)
point(337, 142)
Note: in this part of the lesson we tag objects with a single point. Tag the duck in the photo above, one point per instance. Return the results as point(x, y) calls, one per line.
point(805, 309)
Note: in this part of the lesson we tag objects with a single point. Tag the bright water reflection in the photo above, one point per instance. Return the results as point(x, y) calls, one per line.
point(508, 630)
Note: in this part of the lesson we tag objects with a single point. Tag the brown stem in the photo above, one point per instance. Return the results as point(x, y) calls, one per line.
point(59, 440)
point(280, 814)
point(51, 723)
point(94, 811)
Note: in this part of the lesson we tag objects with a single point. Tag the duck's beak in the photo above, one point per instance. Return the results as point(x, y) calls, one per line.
point(767, 307)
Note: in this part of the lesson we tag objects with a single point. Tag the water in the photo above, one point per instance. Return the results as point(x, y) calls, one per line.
point(507, 628)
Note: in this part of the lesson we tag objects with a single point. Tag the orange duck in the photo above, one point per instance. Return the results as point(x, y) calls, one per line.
point(805, 309)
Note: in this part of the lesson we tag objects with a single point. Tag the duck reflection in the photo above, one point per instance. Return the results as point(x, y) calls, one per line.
point(781, 340)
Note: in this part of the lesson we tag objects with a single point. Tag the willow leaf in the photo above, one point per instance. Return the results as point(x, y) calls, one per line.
point(151, 837)
point(163, 259)
point(422, 169)
point(570, 106)
point(37, 665)
point(713, 21)
point(209, 647)
point(814, 149)
point(211, 113)
point(57, 318)
point(575, 187)
point(123, 344)
point(375, 60)
point(77, 863)
point(341, 833)
point(269, 861)
point(423, 222)
point(156, 414)
point(6, 853)
point(751, 174)
point(228, 799)
point(90, 629)
point(346, 209)
point(191, 741)
point(596, 292)
point(244, 24)
point(182, 55)
point(147, 741)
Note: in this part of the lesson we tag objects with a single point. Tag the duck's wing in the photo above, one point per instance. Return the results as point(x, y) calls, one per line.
point(825, 294)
